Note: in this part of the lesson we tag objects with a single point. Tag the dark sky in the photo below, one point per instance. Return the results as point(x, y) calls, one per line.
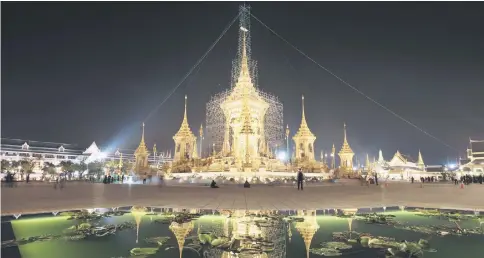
point(83, 72)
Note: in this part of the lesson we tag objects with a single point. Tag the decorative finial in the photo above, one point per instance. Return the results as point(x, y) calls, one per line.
point(303, 120)
point(244, 66)
point(143, 134)
point(185, 120)
point(345, 140)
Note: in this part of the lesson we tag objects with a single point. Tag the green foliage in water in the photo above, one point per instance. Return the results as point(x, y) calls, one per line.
point(143, 251)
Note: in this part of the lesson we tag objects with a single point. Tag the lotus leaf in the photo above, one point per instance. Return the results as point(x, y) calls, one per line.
point(336, 245)
point(382, 243)
point(413, 249)
point(365, 241)
point(219, 241)
point(206, 238)
point(424, 244)
point(325, 251)
point(84, 226)
point(143, 251)
point(157, 240)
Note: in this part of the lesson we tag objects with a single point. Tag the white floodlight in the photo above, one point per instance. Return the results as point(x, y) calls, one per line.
point(243, 29)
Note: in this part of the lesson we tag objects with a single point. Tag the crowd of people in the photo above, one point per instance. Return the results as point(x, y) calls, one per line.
point(468, 179)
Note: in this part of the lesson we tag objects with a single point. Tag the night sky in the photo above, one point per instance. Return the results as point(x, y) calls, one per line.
point(83, 72)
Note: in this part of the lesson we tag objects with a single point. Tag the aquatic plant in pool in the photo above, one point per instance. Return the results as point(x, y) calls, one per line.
point(156, 232)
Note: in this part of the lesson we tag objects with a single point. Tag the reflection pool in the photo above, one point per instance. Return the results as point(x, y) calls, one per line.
point(160, 232)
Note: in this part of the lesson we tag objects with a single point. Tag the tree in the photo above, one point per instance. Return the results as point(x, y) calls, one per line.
point(27, 166)
point(6, 166)
point(67, 167)
point(112, 165)
point(96, 168)
point(48, 169)
point(81, 167)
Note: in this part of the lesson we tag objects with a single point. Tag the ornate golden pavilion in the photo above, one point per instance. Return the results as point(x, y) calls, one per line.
point(346, 155)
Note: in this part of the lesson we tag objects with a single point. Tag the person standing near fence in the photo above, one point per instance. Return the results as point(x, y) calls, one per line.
point(300, 179)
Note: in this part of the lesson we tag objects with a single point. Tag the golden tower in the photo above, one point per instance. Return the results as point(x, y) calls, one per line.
point(244, 110)
point(420, 162)
point(141, 156)
point(181, 232)
point(304, 139)
point(185, 140)
point(307, 228)
point(346, 154)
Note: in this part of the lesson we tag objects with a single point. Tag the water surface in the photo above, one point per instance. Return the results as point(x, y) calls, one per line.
point(171, 233)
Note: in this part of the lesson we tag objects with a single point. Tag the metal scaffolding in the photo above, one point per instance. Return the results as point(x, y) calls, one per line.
point(215, 118)
point(273, 121)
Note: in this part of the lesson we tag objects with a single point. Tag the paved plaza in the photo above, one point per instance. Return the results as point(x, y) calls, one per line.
point(36, 198)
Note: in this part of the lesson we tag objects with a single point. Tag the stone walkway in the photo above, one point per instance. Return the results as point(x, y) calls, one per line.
point(44, 198)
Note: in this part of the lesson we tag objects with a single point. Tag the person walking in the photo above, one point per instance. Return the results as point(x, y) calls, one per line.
point(300, 178)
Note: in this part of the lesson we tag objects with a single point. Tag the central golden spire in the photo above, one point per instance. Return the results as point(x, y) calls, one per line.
point(244, 75)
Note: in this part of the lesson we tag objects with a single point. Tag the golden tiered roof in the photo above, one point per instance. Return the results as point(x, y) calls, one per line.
point(142, 150)
point(181, 232)
point(345, 149)
point(244, 86)
point(304, 131)
point(184, 131)
point(244, 82)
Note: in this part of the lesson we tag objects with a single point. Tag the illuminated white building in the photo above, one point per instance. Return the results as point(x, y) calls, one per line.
point(16, 150)
point(400, 167)
point(474, 163)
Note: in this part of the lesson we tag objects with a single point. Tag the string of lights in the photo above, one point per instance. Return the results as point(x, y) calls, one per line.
point(352, 87)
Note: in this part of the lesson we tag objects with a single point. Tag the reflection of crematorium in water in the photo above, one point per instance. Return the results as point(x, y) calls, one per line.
point(156, 232)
